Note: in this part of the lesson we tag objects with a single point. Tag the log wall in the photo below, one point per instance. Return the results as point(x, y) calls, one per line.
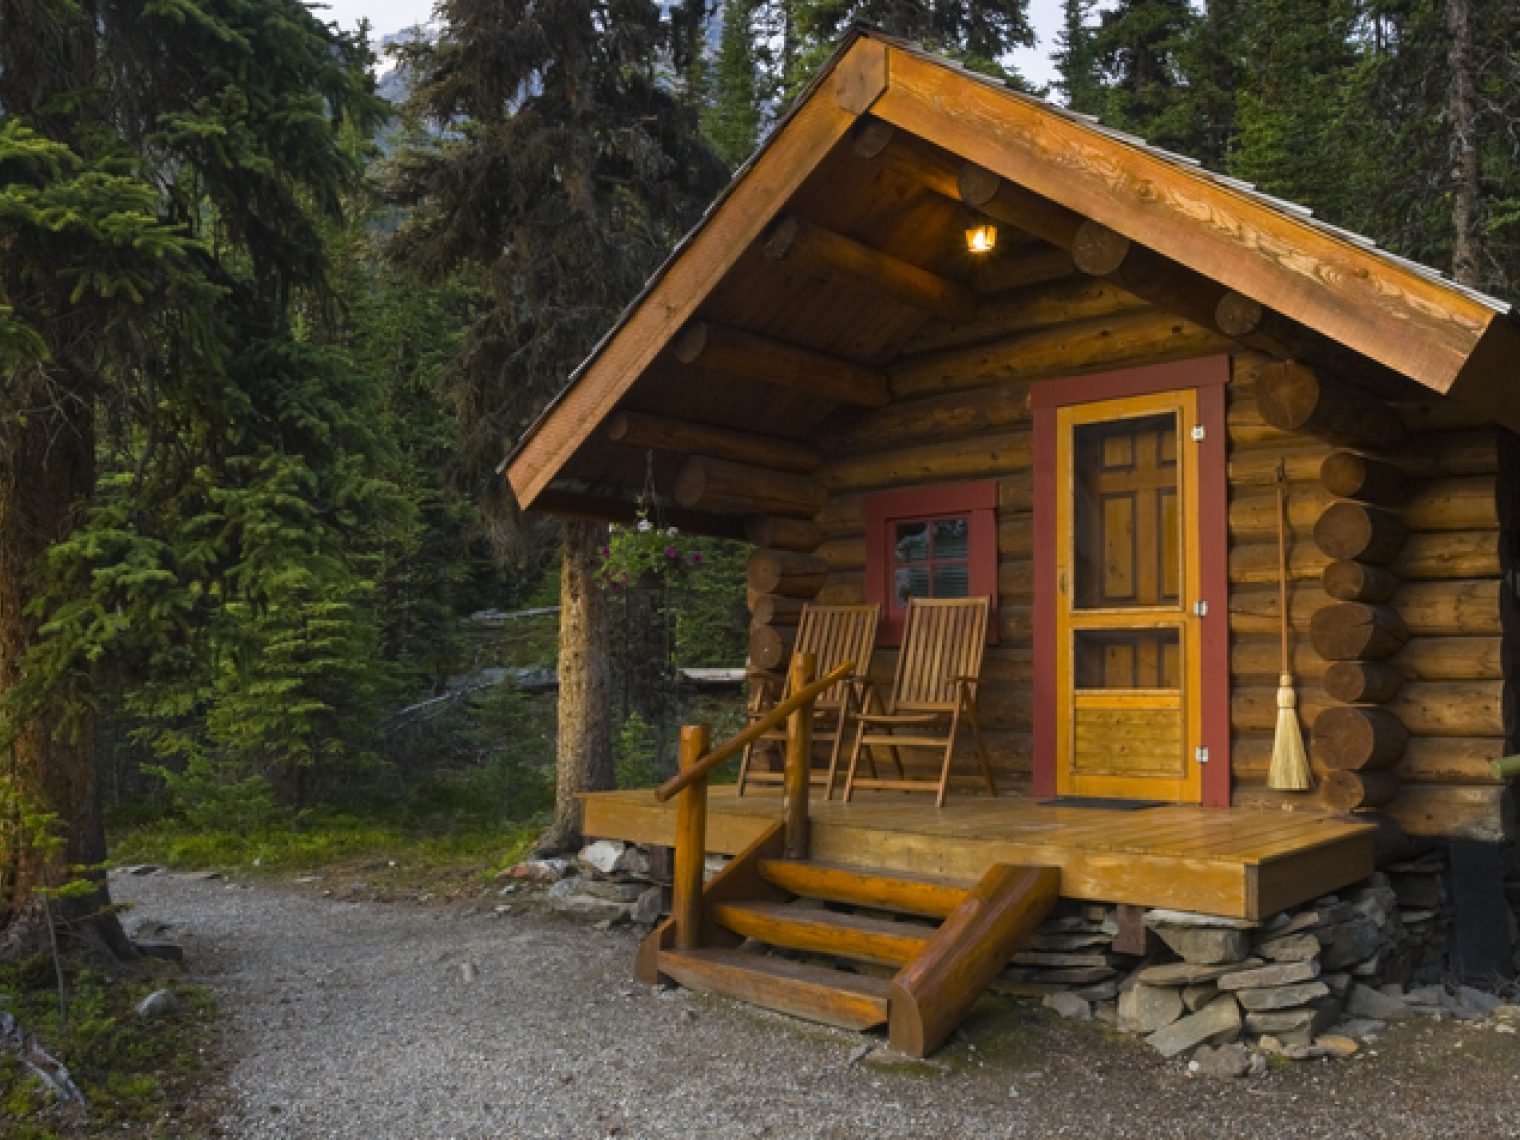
point(1414, 530)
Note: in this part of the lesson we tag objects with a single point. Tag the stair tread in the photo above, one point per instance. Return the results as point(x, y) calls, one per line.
point(835, 997)
point(825, 931)
point(905, 891)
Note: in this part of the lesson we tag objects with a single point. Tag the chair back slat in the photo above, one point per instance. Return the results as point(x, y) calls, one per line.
point(943, 638)
point(836, 634)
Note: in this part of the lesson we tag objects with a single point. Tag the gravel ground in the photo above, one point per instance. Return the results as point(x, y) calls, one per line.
point(396, 1020)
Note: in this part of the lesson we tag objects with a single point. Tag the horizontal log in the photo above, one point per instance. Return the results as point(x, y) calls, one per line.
point(1449, 608)
point(1449, 454)
point(1347, 791)
point(1034, 264)
point(843, 590)
point(1361, 682)
point(1452, 504)
point(1098, 250)
point(1348, 581)
point(1293, 398)
point(1427, 658)
point(1426, 759)
point(1017, 310)
point(1347, 475)
point(1255, 468)
point(1016, 492)
point(783, 533)
point(976, 456)
point(787, 572)
point(1451, 708)
point(1253, 514)
point(1255, 563)
point(952, 415)
point(1145, 336)
point(1016, 536)
point(1253, 708)
point(770, 646)
point(1360, 532)
point(1485, 814)
point(574, 504)
point(1248, 431)
point(844, 553)
point(1431, 556)
point(1016, 580)
point(1357, 738)
point(1427, 412)
point(775, 609)
point(717, 485)
point(1102, 252)
point(1015, 622)
point(803, 243)
point(1258, 658)
point(1012, 205)
point(1257, 610)
point(1349, 631)
point(754, 357)
point(663, 433)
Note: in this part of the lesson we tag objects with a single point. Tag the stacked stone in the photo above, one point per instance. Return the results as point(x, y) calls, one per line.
point(1287, 980)
point(610, 882)
point(1072, 952)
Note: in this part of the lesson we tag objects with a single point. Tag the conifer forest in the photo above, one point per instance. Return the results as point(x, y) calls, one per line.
point(268, 326)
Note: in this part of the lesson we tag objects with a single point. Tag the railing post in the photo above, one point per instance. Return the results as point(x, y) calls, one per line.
point(799, 761)
point(691, 844)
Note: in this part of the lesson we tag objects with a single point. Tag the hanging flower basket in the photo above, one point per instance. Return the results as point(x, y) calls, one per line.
point(646, 556)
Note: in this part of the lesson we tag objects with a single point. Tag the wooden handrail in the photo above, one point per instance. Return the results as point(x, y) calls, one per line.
point(734, 744)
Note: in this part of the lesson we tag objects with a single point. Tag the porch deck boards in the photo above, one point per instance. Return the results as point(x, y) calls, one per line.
point(1226, 861)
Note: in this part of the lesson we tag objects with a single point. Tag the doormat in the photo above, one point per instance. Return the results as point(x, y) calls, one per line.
point(1101, 803)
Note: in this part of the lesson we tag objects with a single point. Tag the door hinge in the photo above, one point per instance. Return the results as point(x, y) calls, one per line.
point(1201, 754)
point(1199, 433)
point(1200, 609)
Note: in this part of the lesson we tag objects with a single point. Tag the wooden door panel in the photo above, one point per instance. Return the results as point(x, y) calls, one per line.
point(1128, 716)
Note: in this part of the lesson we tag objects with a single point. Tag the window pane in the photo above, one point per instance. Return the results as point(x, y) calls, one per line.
point(950, 538)
point(1127, 658)
point(912, 542)
point(910, 582)
point(951, 580)
point(1127, 530)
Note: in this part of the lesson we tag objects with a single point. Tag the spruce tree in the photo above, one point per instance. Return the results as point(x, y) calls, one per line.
point(165, 171)
point(561, 172)
point(1140, 46)
point(1076, 59)
point(732, 114)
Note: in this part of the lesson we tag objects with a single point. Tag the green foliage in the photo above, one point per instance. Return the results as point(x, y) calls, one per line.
point(733, 110)
point(636, 754)
point(128, 1068)
point(711, 617)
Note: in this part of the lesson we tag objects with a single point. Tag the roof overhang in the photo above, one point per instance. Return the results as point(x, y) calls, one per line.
point(1402, 317)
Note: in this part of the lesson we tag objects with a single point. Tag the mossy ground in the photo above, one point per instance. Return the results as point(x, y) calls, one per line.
point(140, 1078)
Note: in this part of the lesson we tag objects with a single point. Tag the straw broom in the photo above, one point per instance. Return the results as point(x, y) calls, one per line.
point(1290, 766)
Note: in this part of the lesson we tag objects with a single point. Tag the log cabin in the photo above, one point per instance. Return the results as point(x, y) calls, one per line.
point(1091, 418)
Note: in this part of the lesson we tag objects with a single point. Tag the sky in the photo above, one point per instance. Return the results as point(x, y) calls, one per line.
point(387, 16)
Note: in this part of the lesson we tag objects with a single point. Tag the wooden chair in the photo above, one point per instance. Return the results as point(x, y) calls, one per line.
point(938, 668)
point(834, 634)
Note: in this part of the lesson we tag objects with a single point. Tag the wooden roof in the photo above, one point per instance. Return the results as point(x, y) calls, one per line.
point(836, 252)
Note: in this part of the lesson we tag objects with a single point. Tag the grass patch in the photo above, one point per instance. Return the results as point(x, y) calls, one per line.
point(334, 842)
point(139, 1078)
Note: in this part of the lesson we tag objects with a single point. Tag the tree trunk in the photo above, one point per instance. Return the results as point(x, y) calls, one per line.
point(47, 472)
point(584, 755)
point(1462, 118)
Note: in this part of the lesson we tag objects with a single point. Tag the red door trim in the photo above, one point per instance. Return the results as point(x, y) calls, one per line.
point(1208, 375)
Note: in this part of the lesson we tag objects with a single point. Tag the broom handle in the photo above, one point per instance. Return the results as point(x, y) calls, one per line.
point(1282, 560)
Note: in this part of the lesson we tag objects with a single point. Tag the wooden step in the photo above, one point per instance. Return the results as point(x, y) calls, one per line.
point(860, 886)
point(852, 1001)
point(825, 932)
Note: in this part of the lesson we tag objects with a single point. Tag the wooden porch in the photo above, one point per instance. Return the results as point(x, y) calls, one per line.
point(1235, 862)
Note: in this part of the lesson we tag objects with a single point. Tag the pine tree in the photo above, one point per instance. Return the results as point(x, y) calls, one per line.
point(562, 172)
point(1076, 58)
point(732, 115)
point(1139, 45)
point(165, 168)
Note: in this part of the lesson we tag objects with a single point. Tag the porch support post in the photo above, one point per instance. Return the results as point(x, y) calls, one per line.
point(799, 760)
point(691, 844)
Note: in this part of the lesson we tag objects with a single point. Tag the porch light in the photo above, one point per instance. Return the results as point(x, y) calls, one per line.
point(981, 239)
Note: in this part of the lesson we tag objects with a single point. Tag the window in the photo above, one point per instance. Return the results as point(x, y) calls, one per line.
point(932, 542)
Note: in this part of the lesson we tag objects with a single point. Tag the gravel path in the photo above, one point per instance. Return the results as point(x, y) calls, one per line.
point(389, 1020)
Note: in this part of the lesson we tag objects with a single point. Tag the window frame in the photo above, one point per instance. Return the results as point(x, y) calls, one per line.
point(976, 501)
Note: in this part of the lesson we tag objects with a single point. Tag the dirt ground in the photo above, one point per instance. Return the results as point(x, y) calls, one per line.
point(353, 1018)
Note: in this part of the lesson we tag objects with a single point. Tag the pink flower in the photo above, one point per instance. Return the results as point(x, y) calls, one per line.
point(696, 558)
point(670, 552)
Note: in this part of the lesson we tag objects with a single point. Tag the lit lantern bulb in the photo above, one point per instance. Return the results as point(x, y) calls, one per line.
point(981, 239)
